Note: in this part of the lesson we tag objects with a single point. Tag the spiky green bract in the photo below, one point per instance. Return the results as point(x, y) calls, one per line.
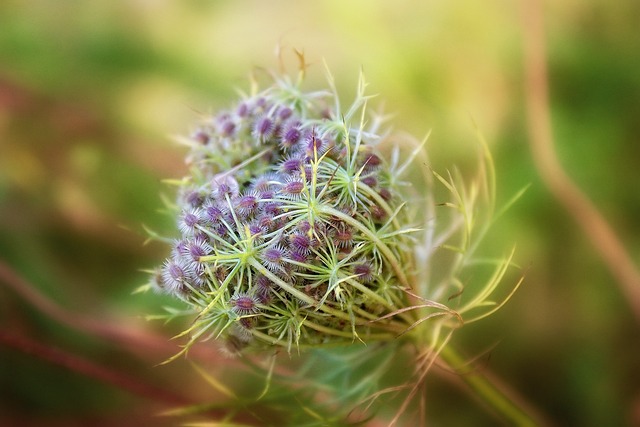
point(293, 231)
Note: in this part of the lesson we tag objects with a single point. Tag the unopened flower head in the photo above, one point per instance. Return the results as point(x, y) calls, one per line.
point(290, 198)
point(296, 230)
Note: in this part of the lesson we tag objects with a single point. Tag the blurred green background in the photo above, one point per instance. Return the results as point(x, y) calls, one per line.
point(91, 94)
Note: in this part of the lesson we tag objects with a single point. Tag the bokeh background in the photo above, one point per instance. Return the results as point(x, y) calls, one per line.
point(92, 93)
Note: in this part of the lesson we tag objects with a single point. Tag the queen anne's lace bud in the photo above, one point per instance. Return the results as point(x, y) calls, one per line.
point(292, 232)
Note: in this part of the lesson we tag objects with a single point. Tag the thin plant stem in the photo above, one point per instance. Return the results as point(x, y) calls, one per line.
point(580, 208)
point(486, 389)
point(90, 369)
point(134, 339)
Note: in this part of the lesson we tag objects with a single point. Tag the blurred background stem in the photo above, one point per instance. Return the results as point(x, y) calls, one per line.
point(586, 215)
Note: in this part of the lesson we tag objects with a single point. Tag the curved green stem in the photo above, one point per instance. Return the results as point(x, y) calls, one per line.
point(489, 392)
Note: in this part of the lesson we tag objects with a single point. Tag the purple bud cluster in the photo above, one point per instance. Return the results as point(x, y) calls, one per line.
point(280, 213)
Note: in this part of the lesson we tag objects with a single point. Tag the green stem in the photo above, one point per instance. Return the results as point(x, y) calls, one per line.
point(489, 392)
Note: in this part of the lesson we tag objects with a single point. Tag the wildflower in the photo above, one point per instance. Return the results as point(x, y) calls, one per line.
point(290, 135)
point(269, 211)
point(273, 217)
point(224, 186)
point(211, 214)
point(257, 229)
point(273, 258)
point(284, 113)
point(369, 181)
point(194, 199)
point(179, 248)
point(175, 274)
point(364, 271)
point(300, 243)
point(244, 304)
point(263, 287)
point(343, 236)
point(372, 161)
point(298, 257)
point(314, 145)
point(193, 251)
point(378, 213)
point(247, 203)
point(264, 128)
point(243, 110)
point(294, 232)
point(262, 183)
point(228, 128)
point(189, 221)
point(385, 193)
point(200, 137)
point(292, 188)
point(291, 164)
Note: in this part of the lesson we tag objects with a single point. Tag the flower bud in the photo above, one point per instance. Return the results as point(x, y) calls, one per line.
point(286, 237)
